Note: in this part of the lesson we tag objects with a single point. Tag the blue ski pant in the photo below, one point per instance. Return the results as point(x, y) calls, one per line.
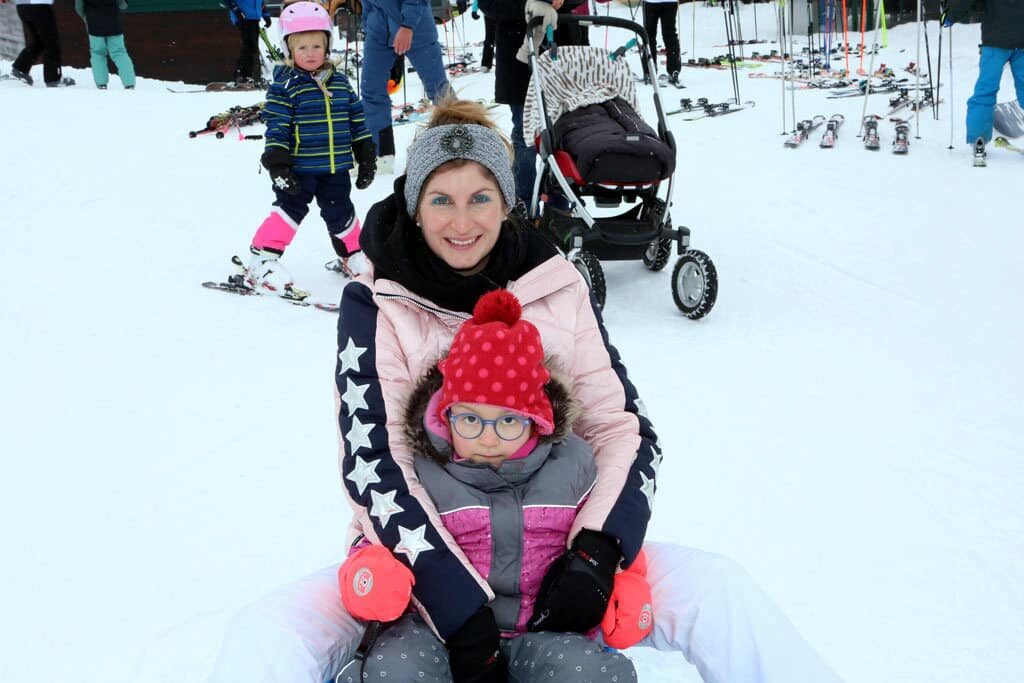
point(409, 651)
point(101, 47)
point(379, 55)
point(981, 105)
point(333, 194)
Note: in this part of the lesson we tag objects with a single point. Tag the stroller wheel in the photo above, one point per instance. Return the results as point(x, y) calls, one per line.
point(657, 254)
point(694, 284)
point(590, 269)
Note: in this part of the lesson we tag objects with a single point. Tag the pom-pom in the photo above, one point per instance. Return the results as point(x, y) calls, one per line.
point(498, 306)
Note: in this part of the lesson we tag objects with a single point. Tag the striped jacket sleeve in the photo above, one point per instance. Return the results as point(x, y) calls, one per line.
point(625, 446)
point(377, 470)
point(278, 114)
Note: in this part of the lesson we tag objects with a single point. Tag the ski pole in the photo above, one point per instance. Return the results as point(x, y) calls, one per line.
point(780, 18)
point(846, 39)
point(917, 73)
point(863, 25)
point(928, 57)
point(871, 69)
point(950, 41)
point(938, 75)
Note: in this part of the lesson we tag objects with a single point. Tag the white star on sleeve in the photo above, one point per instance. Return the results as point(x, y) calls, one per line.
point(384, 506)
point(353, 398)
point(358, 435)
point(656, 462)
point(412, 542)
point(349, 357)
point(647, 488)
point(364, 474)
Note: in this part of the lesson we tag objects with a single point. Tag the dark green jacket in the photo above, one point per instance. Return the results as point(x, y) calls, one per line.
point(1002, 24)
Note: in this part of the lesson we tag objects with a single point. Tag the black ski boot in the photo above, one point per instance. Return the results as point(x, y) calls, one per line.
point(21, 76)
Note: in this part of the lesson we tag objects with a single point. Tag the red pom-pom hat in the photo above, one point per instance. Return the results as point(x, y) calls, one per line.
point(498, 359)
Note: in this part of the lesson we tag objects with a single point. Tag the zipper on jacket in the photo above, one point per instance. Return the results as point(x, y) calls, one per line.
point(330, 129)
point(441, 313)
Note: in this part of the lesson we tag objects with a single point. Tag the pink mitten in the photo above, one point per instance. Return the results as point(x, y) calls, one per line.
point(374, 585)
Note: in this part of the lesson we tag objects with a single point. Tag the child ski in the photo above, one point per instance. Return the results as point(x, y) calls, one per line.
point(871, 140)
point(803, 131)
point(828, 138)
point(901, 143)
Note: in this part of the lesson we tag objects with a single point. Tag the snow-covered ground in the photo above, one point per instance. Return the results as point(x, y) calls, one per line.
point(842, 424)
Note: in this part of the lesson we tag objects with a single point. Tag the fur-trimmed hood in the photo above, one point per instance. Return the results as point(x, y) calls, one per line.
point(564, 407)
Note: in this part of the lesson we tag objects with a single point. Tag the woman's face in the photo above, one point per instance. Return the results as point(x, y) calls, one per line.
point(461, 210)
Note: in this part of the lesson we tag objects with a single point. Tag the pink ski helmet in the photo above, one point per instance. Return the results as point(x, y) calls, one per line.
point(299, 17)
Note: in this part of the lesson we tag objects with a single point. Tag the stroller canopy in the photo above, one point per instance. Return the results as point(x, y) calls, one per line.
point(581, 75)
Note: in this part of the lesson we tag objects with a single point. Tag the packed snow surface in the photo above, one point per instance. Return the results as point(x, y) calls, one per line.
point(842, 423)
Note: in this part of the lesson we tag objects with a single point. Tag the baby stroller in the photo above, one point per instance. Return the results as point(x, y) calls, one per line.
point(581, 109)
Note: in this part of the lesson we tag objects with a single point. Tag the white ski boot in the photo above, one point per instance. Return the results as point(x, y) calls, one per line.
point(265, 273)
point(980, 156)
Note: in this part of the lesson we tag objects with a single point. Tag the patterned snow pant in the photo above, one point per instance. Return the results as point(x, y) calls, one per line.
point(409, 651)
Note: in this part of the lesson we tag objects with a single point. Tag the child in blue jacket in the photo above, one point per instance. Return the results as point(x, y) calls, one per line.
point(315, 134)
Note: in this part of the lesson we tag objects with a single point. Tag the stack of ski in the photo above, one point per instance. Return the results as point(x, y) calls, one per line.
point(804, 130)
point(702, 108)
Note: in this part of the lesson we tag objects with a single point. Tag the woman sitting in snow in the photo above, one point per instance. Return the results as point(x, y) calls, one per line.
point(445, 237)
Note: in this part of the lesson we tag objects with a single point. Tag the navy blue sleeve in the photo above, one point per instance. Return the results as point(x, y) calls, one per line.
point(444, 587)
point(630, 514)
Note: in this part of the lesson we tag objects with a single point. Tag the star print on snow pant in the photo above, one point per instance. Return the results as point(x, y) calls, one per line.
point(409, 651)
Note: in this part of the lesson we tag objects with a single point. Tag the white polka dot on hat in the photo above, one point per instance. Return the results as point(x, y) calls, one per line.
point(497, 358)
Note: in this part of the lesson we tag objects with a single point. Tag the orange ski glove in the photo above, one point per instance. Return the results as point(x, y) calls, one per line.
point(374, 585)
point(629, 617)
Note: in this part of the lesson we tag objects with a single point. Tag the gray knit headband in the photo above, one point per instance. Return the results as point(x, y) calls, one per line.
point(440, 144)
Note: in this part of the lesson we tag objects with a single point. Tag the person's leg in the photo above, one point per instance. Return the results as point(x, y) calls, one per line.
point(377, 60)
point(300, 633)
point(407, 650)
point(671, 37)
point(98, 60)
point(278, 229)
point(249, 59)
point(119, 55)
point(33, 40)
point(981, 105)
point(333, 195)
point(428, 61)
point(525, 170)
point(1017, 69)
point(543, 657)
point(651, 26)
point(46, 24)
point(487, 59)
point(707, 607)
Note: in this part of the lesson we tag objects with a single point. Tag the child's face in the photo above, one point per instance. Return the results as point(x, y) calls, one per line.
point(309, 50)
point(488, 428)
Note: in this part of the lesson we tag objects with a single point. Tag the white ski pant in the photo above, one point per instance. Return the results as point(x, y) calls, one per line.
point(705, 606)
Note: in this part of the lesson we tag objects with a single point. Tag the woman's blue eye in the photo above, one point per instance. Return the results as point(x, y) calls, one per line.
point(481, 199)
point(439, 201)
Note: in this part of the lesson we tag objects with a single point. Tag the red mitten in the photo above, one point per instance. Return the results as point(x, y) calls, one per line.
point(629, 617)
point(374, 585)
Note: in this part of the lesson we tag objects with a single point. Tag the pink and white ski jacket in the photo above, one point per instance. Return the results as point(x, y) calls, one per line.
point(388, 338)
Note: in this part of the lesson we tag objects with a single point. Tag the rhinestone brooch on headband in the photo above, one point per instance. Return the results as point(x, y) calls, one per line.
point(457, 141)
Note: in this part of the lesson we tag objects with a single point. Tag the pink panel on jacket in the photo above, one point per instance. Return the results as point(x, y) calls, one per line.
point(471, 528)
point(547, 530)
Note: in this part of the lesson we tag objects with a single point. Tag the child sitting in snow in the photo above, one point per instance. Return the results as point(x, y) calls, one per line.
point(315, 134)
point(492, 432)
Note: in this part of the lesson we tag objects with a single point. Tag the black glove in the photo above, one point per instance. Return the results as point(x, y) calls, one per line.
point(366, 157)
point(462, 5)
point(266, 20)
point(279, 163)
point(473, 652)
point(574, 593)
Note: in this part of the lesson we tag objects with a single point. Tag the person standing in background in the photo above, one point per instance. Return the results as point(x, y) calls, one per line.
point(246, 15)
point(664, 11)
point(106, 39)
point(41, 38)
